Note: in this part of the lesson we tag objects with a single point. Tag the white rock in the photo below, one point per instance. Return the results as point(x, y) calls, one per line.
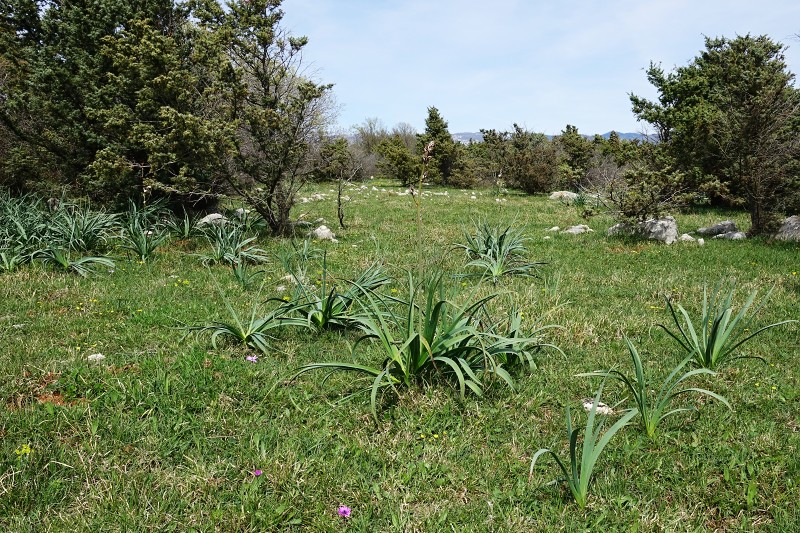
point(567, 196)
point(323, 233)
point(241, 213)
point(473, 197)
point(214, 219)
point(553, 229)
point(731, 236)
point(546, 237)
point(601, 409)
point(95, 357)
point(577, 230)
point(662, 229)
point(701, 242)
point(686, 238)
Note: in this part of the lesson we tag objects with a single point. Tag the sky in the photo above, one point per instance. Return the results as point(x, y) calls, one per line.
point(490, 64)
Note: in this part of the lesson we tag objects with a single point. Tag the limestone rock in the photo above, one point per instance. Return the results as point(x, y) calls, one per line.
point(566, 196)
point(790, 230)
point(731, 235)
point(214, 219)
point(577, 230)
point(323, 233)
point(726, 226)
point(686, 238)
point(663, 229)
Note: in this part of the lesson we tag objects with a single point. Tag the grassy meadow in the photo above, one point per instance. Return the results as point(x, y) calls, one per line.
point(167, 432)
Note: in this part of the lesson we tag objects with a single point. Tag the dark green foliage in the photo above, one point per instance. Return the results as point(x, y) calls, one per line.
point(715, 338)
point(280, 113)
point(521, 159)
point(62, 260)
point(398, 162)
point(445, 156)
point(730, 121)
point(576, 155)
point(109, 97)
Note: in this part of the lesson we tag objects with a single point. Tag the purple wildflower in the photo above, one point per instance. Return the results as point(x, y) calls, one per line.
point(344, 511)
point(252, 358)
point(257, 472)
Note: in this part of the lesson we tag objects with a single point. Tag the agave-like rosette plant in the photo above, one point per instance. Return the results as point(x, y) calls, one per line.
point(578, 472)
point(714, 339)
point(424, 343)
point(497, 252)
point(654, 409)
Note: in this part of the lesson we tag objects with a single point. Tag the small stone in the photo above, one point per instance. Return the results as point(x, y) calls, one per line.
point(553, 229)
point(95, 357)
point(686, 238)
point(601, 409)
point(701, 242)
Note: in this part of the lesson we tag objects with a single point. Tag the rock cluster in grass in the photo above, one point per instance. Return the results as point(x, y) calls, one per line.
point(790, 230)
point(662, 229)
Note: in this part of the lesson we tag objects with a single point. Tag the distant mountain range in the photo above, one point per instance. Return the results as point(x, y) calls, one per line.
point(466, 137)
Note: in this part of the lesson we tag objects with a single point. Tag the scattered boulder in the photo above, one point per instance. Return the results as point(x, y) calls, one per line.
point(214, 219)
point(566, 196)
point(662, 229)
point(686, 238)
point(577, 230)
point(726, 226)
point(701, 242)
point(323, 233)
point(790, 230)
point(553, 229)
point(731, 235)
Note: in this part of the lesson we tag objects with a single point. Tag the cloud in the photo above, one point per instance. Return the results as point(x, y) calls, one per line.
point(542, 64)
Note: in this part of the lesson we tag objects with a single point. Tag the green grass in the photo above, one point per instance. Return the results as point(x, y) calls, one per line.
point(166, 432)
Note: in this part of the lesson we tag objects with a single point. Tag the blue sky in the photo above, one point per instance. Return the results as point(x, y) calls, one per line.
point(488, 64)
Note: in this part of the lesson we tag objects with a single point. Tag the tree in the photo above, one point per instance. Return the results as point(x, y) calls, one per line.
point(110, 96)
point(577, 152)
point(280, 114)
point(730, 120)
point(340, 162)
point(398, 161)
point(523, 159)
point(444, 160)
